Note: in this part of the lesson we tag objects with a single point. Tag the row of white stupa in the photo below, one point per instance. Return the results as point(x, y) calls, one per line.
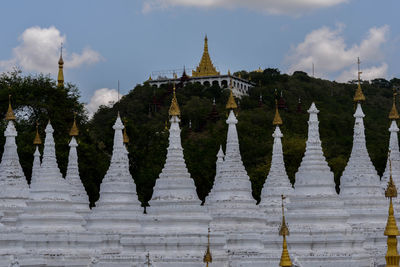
point(49, 223)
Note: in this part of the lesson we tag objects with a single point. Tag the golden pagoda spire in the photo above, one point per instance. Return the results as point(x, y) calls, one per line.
point(391, 231)
point(174, 108)
point(60, 79)
point(284, 231)
point(359, 95)
point(231, 100)
point(37, 141)
point(74, 129)
point(394, 115)
point(206, 67)
point(10, 116)
point(277, 119)
point(207, 256)
point(125, 135)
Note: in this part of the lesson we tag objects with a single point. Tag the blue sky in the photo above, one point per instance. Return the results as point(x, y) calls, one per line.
point(106, 41)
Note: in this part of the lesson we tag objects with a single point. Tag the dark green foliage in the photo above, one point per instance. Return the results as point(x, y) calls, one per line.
point(146, 111)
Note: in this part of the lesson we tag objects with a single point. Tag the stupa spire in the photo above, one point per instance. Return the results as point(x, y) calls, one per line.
point(206, 67)
point(174, 108)
point(391, 231)
point(10, 116)
point(277, 182)
point(207, 256)
point(220, 160)
point(231, 104)
point(36, 156)
point(359, 95)
point(284, 231)
point(118, 208)
point(78, 193)
point(60, 78)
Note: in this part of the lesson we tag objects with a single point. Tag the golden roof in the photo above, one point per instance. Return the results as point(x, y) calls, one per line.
point(74, 129)
point(206, 67)
point(259, 70)
point(277, 118)
point(125, 135)
point(10, 116)
point(207, 256)
point(174, 108)
point(37, 141)
point(284, 231)
point(394, 115)
point(60, 79)
point(231, 101)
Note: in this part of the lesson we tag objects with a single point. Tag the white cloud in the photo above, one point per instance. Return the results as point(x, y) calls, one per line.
point(39, 51)
point(292, 7)
point(327, 49)
point(103, 96)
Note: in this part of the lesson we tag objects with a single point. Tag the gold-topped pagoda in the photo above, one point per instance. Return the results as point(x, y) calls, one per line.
point(359, 95)
point(206, 67)
point(391, 231)
point(284, 231)
point(74, 129)
point(394, 115)
point(37, 141)
point(60, 78)
point(231, 104)
point(277, 119)
point(207, 256)
point(174, 108)
point(10, 116)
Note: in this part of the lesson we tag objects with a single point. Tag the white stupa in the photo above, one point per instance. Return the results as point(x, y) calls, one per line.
point(361, 190)
point(231, 204)
point(118, 208)
point(36, 156)
point(79, 196)
point(220, 160)
point(13, 184)
point(277, 182)
point(394, 152)
point(176, 220)
point(318, 220)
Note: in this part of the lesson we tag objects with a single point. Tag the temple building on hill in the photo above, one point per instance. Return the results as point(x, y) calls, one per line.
point(206, 74)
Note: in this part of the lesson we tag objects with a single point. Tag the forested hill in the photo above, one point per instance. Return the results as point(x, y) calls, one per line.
point(145, 108)
point(146, 111)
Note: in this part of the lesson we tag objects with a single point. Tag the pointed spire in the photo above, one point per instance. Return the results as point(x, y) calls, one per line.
point(74, 129)
point(150, 79)
point(60, 79)
point(174, 108)
point(220, 160)
point(231, 104)
point(206, 67)
point(394, 115)
point(125, 134)
point(37, 141)
point(359, 95)
point(277, 118)
point(207, 256)
point(10, 116)
point(284, 231)
point(391, 230)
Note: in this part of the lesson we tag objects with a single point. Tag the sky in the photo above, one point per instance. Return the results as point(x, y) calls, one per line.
point(106, 41)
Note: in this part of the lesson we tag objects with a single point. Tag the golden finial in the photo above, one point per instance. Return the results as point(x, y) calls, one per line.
point(150, 79)
point(37, 141)
point(10, 116)
point(391, 231)
point(359, 95)
point(207, 256)
point(174, 108)
point(277, 119)
point(394, 115)
point(229, 72)
point(231, 100)
point(284, 231)
point(125, 135)
point(74, 129)
point(60, 79)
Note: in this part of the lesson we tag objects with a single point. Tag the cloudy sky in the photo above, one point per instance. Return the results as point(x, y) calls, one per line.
point(106, 41)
